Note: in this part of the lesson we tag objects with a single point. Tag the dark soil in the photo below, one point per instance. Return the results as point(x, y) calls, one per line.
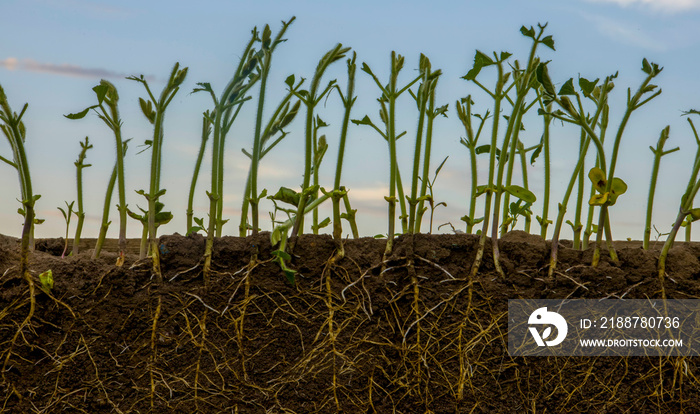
point(349, 337)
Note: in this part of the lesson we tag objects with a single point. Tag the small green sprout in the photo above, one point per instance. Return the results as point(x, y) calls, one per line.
point(79, 165)
point(46, 279)
point(106, 94)
point(66, 216)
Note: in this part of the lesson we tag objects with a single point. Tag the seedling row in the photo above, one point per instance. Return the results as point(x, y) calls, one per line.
point(511, 90)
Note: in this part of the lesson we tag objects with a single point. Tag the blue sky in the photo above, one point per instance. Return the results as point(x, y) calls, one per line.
point(55, 51)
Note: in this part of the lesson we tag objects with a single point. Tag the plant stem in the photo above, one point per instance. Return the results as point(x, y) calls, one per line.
point(498, 97)
point(81, 214)
point(658, 153)
point(206, 131)
point(268, 47)
point(310, 101)
point(338, 193)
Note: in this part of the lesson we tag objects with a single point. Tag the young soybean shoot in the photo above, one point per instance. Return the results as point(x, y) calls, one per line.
point(79, 165)
point(282, 117)
point(222, 117)
point(464, 111)
point(104, 226)
point(615, 186)
point(658, 153)
point(154, 110)
point(431, 113)
point(206, 131)
point(545, 148)
point(107, 95)
point(599, 96)
point(686, 210)
point(523, 82)
point(266, 50)
point(310, 99)
point(390, 94)
point(339, 192)
point(67, 213)
point(14, 130)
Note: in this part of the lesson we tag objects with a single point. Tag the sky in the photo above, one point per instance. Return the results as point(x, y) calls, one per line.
point(54, 51)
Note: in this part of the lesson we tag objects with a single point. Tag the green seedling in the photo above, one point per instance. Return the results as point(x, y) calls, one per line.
point(310, 98)
point(265, 56)
point(67, 213)
point(339, 191)
point(430, 197)
point(107, 95)
point(161, 217)
point(105, 210)
point(598, 95)
point(281, 118)
point(154, 110)
point(523, 82)
point(613, 186)
point(319, 148)
point(279, 235)
point(46, 280)
point(206, 131)
point(79, 165)
point(426, 91)
point(464, 112)
point(14, 130)
point(226, 109)
point(544, 147)
point(387, 113)
point(686, 213)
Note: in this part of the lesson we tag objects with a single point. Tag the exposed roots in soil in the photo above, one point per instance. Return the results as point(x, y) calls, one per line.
point(413, 333)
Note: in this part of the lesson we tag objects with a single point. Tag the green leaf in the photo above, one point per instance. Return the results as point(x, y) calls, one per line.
point(282, 255)
point(521, 193)
point(597, 177)
point(287, 195)
point(548, 41)
point(81, 114)
point(618, 188)
point(528, 32)
point(587, 87)
point(695, 214)
point(322, 224)
point(193, 229)
point(101, 92)
point(544, 79)
point(481, 60)
point(290, 81)
point(485, 149)
point(568, 88)
point(363, 121)
point(163, 217)
point(46, 279)
point(536, 153)
point(598, 199)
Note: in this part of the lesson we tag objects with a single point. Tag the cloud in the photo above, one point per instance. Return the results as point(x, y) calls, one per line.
point(667, 6)
point(64, 69)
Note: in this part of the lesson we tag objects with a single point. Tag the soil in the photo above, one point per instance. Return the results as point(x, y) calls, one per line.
point(355, 335)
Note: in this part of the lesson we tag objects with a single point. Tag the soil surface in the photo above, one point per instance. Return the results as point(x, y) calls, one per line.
point(354, 335)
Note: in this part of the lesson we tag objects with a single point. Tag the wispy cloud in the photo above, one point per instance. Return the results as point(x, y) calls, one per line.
point(63, 69)
point(666, 6)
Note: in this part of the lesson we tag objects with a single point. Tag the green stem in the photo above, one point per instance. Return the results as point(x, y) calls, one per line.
point(206, 130)
point(658, 153)
point(498, 97)
point(348, 101)
point(81, 213)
